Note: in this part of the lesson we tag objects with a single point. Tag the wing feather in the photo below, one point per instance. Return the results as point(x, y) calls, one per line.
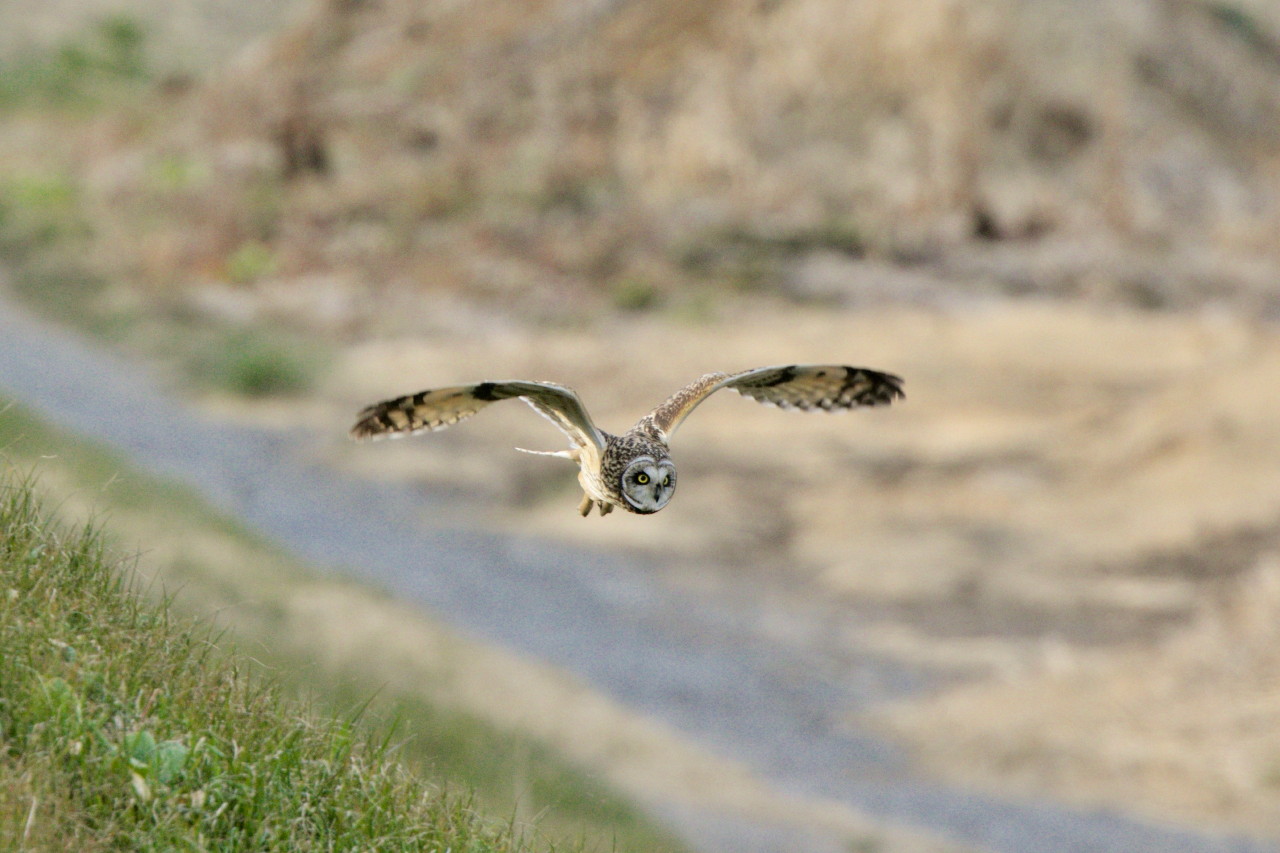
point(828, 387)
point(438, 408)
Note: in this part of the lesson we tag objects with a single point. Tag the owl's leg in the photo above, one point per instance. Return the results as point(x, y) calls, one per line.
point(605, 508)
point(585, 506)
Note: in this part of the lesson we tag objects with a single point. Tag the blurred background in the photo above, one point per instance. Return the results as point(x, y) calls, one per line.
point(1059, 221)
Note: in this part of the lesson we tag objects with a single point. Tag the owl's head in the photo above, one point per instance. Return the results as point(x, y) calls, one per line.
point(648, 483)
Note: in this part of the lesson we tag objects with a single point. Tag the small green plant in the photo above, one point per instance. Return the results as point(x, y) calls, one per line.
point(634, 293)
point(43, 233)
point(172, 172)
point(256, 363)
point(1244, 26)
point(37, 210)
point(251, 261)
point(110, 56)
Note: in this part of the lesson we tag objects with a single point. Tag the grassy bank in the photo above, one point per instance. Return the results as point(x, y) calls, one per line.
point(123, 729)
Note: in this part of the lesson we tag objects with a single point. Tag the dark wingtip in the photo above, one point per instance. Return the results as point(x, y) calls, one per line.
point(885, 388)
point(369, 423)
point(895, 386)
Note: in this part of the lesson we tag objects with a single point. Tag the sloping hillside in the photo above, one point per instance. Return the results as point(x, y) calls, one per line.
point(122, 730)
point(527, 151)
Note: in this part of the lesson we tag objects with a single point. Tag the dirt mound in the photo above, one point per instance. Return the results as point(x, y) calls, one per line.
point(529, 151)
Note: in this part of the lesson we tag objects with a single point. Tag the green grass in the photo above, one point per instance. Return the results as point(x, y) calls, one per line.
point(253, 361)
point(122, 729)
point(634, 293)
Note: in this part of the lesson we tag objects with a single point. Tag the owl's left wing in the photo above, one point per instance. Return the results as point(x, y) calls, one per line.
point(830, 387)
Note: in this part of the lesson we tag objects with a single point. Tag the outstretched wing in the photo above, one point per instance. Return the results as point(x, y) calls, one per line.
point(438, 408)
point(830, 387)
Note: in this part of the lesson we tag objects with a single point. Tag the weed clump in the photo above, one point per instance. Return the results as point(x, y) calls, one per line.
point(110, 56)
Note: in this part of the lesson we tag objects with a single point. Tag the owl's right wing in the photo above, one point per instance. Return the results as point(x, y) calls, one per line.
point(441, 407)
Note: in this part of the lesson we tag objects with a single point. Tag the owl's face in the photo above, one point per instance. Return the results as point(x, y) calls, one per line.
point(648, 484)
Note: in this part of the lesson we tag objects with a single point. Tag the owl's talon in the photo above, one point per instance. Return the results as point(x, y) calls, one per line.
point(585, 506)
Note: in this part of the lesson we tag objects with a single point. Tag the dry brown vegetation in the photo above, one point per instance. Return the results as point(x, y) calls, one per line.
point(525, 153)
point(1076, 507)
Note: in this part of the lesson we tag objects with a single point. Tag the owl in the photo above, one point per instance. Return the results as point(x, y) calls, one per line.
point(633, 470)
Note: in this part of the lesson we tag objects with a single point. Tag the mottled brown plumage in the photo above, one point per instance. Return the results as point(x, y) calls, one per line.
point(633, 470)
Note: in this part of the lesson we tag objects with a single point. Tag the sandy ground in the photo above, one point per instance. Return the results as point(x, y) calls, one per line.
point(1068, 512)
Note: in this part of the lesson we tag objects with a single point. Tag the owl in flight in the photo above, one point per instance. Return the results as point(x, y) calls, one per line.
point(633, 470)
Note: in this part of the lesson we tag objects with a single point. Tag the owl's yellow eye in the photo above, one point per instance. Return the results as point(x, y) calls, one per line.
point(642, 479)
point(666, 481)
